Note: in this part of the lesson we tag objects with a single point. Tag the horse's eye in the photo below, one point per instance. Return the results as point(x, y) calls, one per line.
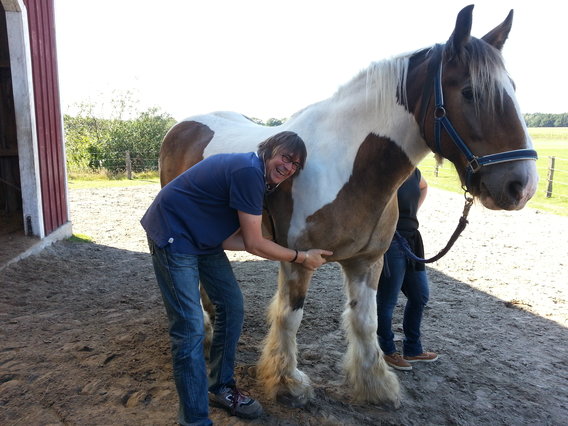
point(468, 93)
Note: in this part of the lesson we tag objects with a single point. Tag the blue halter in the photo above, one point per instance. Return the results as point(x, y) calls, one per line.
point(474, 163)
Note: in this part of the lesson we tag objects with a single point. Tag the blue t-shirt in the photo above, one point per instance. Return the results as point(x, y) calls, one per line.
point(198, 210)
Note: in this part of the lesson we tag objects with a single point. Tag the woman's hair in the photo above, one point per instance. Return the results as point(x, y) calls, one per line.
point(283, 142)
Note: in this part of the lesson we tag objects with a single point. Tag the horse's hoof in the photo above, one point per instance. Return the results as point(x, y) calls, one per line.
point(291, 400)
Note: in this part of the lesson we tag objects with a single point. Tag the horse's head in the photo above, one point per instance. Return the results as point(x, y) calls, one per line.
point(469, 115)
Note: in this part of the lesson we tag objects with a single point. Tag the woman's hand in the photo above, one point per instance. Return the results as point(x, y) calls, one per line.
point(314, 258)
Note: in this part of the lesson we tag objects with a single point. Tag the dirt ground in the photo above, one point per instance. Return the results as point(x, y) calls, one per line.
point(83, 336)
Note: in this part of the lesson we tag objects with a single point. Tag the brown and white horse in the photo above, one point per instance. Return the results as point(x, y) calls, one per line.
point(363, 142)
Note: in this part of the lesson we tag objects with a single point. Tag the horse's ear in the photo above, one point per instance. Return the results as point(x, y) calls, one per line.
point(462, 32)
point(498, 35)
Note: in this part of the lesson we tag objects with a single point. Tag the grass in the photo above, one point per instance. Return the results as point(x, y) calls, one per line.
point(80, 238)
point(77, 180)
point(548, 141)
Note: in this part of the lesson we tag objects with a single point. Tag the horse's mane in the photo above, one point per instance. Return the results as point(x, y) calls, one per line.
point(387, 77)
point(382, 79)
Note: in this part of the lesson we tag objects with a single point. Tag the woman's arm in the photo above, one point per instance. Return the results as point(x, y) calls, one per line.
point(249, 237)
point(423, 185)
point(234, 242)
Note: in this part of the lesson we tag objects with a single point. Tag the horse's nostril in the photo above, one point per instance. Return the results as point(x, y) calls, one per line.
point(516, 190)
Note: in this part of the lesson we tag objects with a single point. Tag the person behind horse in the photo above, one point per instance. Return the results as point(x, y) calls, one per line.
point(400, 273)
point(216, 205)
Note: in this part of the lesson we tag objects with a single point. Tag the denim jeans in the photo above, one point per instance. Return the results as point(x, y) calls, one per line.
point(178, 276)
point(414, 284)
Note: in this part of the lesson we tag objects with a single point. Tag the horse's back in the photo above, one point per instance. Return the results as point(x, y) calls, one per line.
point(182, 147)
point(194, 138)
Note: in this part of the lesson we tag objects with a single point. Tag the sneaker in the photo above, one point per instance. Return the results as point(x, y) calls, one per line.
point(423, 357)
point(395, 360)
point(236, 402)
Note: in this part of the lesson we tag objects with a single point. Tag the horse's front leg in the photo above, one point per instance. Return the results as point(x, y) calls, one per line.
point(277, 367)
point(366, 371)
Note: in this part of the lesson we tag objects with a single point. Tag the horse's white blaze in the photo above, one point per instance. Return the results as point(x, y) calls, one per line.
point(528, 165)
point(510, 91)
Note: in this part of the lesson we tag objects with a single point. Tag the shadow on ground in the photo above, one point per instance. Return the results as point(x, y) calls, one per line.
point(84, 342)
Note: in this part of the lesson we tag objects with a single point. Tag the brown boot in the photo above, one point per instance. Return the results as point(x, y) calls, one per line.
point(423, 357)
point(395, 360)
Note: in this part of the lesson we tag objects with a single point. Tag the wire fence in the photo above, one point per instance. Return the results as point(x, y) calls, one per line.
point(124, 162)
point(556, 167)
point(553, 172)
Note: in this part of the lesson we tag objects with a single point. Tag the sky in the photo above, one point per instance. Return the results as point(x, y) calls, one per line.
point(269, 59)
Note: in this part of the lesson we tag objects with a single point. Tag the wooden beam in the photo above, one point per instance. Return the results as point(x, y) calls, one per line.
point(11, 5)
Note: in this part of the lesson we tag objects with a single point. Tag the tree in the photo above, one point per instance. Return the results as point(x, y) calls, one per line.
point(102, 143)
point(546, 120)
point(271, 122)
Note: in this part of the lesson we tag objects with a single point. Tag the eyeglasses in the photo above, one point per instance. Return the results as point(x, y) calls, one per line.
point(287, 159)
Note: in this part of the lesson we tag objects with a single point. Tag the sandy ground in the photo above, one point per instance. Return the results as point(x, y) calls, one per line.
point(83, 332)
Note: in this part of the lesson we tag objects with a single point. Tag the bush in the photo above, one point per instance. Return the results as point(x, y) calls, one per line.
point(96, 144)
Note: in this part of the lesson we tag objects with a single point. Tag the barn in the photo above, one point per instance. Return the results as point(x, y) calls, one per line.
point(34, 206)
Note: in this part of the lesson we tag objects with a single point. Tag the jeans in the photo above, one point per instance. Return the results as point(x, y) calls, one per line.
point(178, 277)
point(414, 284)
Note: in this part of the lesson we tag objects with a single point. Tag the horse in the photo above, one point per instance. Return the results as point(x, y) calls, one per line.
point(454, 99)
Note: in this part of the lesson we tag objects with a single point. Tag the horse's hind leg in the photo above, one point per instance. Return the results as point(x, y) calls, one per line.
point(366, 371)
point(208, 320)
point(277, 367)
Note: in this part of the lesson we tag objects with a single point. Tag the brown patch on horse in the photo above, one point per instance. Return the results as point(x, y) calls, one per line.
point(380, 167)
point(297, 292)
point(182, 147)
point(278, 208)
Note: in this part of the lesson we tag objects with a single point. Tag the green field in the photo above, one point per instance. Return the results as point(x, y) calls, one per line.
point(102, 180)
point(548, 141)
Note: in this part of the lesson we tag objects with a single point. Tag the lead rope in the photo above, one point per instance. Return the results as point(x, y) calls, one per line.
point(461, 226)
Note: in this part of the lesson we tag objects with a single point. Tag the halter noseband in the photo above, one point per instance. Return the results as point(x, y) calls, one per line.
point(474, 163)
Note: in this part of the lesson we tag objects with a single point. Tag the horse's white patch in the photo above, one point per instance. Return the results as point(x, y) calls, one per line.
point(366, 309)
point(233, 132)
point(294, 320)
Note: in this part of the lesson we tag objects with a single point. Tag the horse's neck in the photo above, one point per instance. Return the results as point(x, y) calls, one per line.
point(369, 104)
point(357, 123)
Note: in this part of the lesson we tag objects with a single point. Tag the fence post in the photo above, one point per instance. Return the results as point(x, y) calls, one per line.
point(436, 169)
point(128, 166)
point(550, 177)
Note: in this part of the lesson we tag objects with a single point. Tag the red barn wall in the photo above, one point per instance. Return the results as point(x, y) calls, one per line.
point(49, 124)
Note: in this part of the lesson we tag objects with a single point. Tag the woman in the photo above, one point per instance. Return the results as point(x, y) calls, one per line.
point(399, 273)
point(216, 205)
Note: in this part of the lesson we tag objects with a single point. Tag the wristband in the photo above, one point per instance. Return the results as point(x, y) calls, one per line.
point(295, 256)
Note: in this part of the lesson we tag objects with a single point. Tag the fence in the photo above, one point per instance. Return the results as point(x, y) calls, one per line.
point(117, 163)
point(553, 172)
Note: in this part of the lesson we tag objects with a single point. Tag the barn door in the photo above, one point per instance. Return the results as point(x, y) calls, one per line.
point(10, 189)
